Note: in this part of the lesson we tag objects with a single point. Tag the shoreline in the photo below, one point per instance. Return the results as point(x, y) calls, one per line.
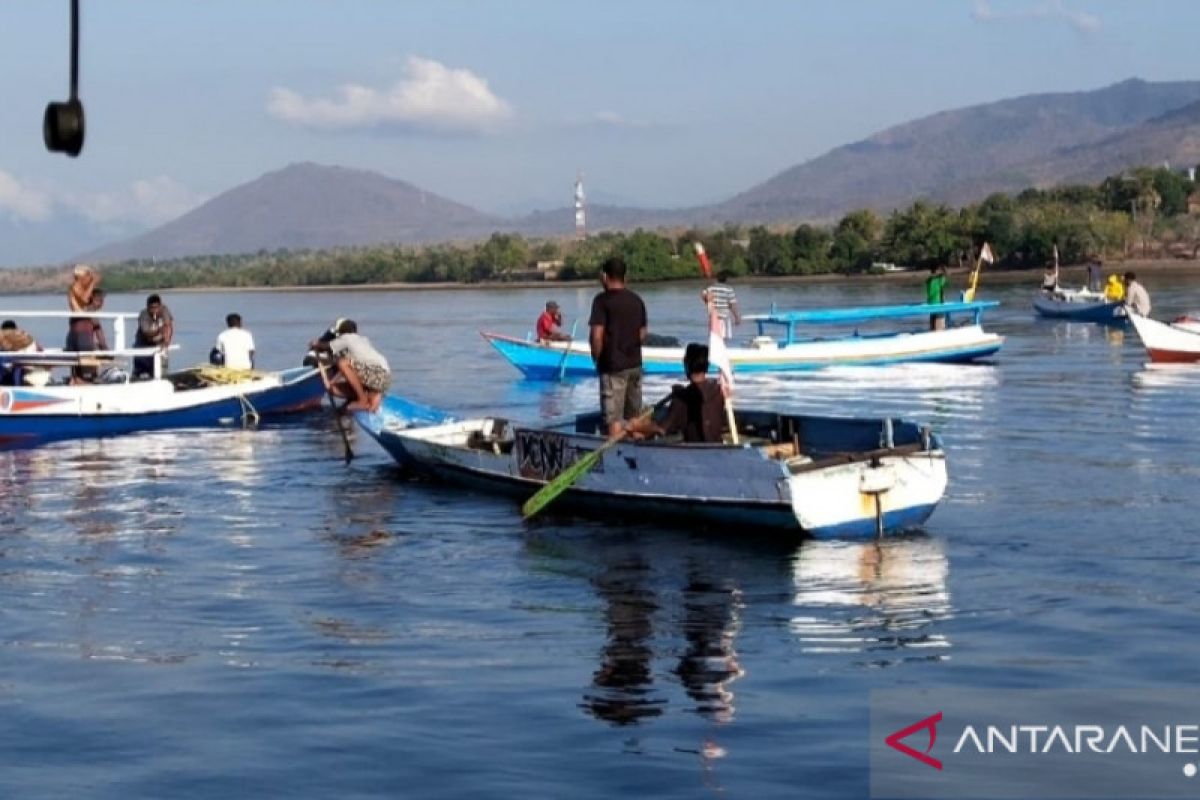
point(1078, 273)
point(1074, 273)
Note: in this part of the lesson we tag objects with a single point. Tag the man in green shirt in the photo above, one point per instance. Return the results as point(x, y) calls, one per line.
point(935, 295)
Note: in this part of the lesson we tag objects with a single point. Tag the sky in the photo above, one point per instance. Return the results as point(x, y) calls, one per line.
point(499, 105)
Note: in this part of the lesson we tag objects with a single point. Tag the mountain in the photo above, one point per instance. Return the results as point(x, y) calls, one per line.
point(955, 156)
point(965, 154)
point(306, 206)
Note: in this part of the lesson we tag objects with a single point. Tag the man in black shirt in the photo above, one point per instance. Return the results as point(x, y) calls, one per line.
point(618, 328)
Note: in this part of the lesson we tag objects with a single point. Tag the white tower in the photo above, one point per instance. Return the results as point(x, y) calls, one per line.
point(580, 208)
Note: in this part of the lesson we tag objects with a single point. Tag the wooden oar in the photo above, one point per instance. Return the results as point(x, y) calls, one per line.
point(571, 475)
point(337, 416)
point(562, 363)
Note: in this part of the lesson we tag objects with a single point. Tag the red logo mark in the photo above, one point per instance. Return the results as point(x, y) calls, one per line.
point(929, 723)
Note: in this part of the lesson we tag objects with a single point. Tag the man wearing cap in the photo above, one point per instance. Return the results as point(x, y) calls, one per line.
point(312, 358)
point(364, 372)
point(549, 325)
point(81, 336)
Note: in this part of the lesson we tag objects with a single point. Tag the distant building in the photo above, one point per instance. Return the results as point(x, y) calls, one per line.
point(549, 270)
point(1193, 204)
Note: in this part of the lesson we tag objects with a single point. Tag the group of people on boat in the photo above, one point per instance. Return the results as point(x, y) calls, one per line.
point(618, 326)
point(1118, 288)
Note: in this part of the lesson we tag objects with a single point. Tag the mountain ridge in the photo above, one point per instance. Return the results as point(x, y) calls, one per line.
point(955, 156)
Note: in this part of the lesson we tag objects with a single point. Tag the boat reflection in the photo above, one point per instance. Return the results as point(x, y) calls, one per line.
point(881, 599)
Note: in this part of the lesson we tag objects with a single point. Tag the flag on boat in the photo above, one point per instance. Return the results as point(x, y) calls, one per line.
point(1056, 256)
point(702, 257)
point(718, 355)
point(986, 254)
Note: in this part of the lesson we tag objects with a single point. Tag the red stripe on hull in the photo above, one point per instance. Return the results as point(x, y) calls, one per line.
point(1173, 356)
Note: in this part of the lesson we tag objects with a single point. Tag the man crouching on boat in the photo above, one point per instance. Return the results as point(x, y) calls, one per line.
point(363, 374)
point(696, 410)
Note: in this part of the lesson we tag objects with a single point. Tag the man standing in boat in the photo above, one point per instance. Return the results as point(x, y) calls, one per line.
point(724, 301)
point(935, 295)
point(618, 326)
point(81, 336)
point(156, 328)
point(1136, 297)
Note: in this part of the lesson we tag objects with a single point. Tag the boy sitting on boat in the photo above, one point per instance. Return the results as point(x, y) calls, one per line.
point(695, 410)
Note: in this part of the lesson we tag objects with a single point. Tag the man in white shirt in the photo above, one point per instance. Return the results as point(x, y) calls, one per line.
point(1136, 296)
point(235, 344)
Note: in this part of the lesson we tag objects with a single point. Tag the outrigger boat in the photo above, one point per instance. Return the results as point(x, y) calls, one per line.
point(1174, 343)
point(41, 409)
point(1080, 305)
point(855, 344)
point(824, 477)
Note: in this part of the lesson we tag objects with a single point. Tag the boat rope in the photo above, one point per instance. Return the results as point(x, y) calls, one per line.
point(221, 375)
point(249, 412)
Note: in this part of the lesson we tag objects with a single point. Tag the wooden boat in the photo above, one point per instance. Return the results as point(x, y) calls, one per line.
point(1080, 305)
point(1174, 343)
point(116, 404)
point(854, 344)
point(824, 477)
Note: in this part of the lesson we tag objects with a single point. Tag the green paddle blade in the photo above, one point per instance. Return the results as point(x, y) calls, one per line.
point(566, 479)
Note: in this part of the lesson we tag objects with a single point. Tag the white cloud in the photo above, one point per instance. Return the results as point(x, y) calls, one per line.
point(150, 201)
point(430, 96)
point(1054, 10)
point(23, 202)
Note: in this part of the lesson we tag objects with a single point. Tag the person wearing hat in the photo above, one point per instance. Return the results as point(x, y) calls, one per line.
point(313, 357)
point(695, 410)
point(549, 325)
point(363, 373)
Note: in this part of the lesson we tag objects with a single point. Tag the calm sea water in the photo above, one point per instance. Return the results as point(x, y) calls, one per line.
point(236, 613)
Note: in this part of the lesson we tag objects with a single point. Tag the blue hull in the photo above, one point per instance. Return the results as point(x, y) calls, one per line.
point(1103, 313)
point(537, 363)
point(302, 390)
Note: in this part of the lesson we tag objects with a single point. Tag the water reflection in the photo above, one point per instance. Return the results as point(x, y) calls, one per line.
point(623, 686)
point(882, 599)
point(709, 665)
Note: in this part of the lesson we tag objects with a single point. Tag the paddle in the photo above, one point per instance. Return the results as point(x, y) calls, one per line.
point(562, 363)
point(337, 416)
point(571, 475)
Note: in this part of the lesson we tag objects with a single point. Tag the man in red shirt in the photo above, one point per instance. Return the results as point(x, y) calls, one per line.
point(549, 325)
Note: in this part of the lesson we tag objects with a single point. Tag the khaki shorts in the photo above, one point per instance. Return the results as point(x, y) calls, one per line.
point(621, 394)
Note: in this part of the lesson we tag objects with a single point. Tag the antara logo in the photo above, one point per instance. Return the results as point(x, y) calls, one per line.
point(930, 723)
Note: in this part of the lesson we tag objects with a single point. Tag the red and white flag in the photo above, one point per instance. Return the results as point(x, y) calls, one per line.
point(702, 257)
point(718, 355)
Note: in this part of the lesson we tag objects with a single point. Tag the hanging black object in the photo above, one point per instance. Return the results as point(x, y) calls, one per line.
point(63, 127)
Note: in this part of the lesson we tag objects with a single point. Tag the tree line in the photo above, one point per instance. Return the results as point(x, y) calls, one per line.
point(1143, 212)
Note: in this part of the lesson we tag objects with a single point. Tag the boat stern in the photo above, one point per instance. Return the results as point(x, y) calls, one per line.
point(861, 499)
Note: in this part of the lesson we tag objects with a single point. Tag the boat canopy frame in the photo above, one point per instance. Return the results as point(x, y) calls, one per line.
point(789, 320)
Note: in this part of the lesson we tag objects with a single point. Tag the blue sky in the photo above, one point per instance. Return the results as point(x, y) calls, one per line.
point(498, 104)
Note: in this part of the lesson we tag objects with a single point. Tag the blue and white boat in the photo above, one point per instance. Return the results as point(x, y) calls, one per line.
point(1080, 305)
point(853, 339)
point(824, 477)
point(35, 406)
